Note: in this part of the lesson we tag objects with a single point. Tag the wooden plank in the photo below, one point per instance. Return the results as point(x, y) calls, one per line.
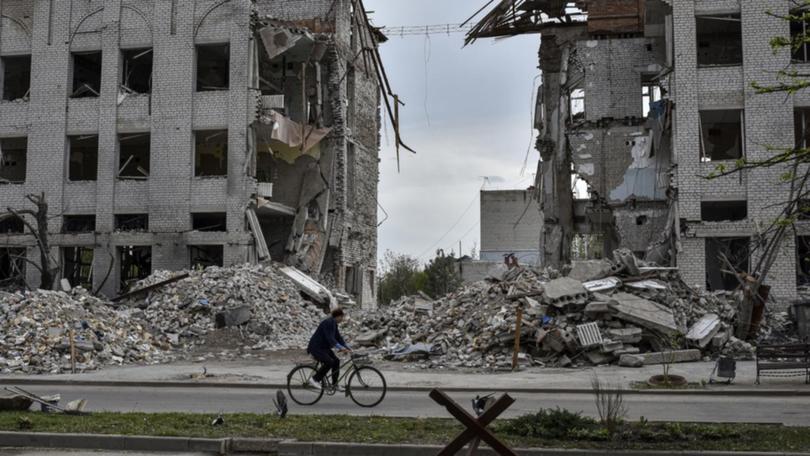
point(150, 287)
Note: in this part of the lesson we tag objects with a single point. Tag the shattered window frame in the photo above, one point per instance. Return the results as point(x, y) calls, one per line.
point(12, 225)
point(13, 151)
point(799, 29)
point(17, 69)
point(801, 126)
point(137, 62)
point(707, 156)
point(134, 264)
point(212, 222)
point(204, 256)
point(576, 104)
point(651, 92)
point(77, 265)
point(738, 252)
point(132, 222)
point(802, 260)
point(79, 223)
point(133, 160)
point(201, 137)
point(723, 210)
point(86, 79)
point(12, 266)
point(735, 58)
point(83, 173)
point(213, 63)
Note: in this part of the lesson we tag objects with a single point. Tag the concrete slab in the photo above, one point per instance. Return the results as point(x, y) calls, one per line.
point(644, 313)
point(702, 332)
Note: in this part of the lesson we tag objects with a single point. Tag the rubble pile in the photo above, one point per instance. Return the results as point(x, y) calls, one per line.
point(621, 311)
point(261, 303)
point(35, 333)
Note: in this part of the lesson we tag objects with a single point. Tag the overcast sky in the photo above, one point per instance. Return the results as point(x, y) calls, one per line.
point(467, 114)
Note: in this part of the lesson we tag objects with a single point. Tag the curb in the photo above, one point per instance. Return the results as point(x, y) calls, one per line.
point(175, 384)
point(295, 448)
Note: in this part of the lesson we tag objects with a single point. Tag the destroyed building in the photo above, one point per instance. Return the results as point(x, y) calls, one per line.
point(185, 133)
point(641, 100)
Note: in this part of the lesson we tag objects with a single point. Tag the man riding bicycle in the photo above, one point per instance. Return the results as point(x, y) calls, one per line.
point(325, 338)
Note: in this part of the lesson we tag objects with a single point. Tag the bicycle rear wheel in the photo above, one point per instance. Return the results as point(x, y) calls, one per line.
point(367, 386)
point(301, 392)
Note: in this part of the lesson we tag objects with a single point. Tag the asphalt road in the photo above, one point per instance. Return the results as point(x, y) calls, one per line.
point(699, 408)
point(48, 452)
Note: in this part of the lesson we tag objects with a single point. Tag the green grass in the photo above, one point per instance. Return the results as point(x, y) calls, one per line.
point(643, 435)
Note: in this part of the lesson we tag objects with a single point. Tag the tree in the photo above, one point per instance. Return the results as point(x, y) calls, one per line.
point(442, 275)
point(47, 266)
point(401, 276)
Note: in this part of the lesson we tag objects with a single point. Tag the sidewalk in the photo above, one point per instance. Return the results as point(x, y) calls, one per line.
point(249, 374)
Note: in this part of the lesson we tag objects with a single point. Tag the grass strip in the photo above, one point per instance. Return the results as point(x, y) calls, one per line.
point(385, 430)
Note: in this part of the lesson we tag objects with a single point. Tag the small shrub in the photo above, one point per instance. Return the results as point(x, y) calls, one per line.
point(24, 423)
point(548, 423)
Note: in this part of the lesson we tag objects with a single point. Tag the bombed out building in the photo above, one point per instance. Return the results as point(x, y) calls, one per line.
point(641, 100)
point(185, 133)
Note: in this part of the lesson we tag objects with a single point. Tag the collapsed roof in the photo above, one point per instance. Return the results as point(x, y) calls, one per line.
point(515, 17)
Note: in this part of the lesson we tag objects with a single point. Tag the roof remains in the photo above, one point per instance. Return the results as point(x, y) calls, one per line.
point(516, 17)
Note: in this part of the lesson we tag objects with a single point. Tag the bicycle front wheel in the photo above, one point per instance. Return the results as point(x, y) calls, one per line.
point(367, 386)
point(299, 388)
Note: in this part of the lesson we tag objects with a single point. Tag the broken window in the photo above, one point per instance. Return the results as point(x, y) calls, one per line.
point(577, 105)
point(718, 274)
point(83, 162)
point(721, 135)
point(12, 266)
point(650, 93)
point(16, 77)
point(211, 153)
point(133, 155)
point(803, 210)
point(77, 266)
point(719, 40)
point(801, 124)
point(721, 211)
point(136, 264)
point(803, 260)
point(86, 74)
point(11, 225)
point(132, 222)
point(213, 67)
point(13, 159)
point(209, 221)
point(203, 256)
point(798, 33)
point(137, 70)
point(79, 224)
point(351, 175)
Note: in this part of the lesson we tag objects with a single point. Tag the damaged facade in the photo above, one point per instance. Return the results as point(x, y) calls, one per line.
point(640, 100)
point(181, 133)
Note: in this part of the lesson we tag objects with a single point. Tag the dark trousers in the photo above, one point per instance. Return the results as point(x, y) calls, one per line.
point(328, 361)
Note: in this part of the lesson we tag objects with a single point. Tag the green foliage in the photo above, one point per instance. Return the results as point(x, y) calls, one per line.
point(442, 276)
point(402, 276)
point(551, 424)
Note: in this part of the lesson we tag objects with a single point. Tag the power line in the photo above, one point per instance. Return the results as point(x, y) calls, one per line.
point(436, 29)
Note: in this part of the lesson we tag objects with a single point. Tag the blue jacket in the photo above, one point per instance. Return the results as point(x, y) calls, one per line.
point(326, 337)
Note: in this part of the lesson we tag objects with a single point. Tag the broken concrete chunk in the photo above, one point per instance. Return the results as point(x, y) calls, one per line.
point(628, 335)
point(606, 284)
point(596, 357)
point(644, 313)
point(628, 360)
point(564, 289)
point(597, 309)
point(702, 332)
point(234, 316)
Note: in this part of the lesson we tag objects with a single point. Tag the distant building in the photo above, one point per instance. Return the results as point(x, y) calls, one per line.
point(510, 221)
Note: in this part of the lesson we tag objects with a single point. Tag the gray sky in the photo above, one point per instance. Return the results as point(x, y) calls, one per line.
point(467, 114)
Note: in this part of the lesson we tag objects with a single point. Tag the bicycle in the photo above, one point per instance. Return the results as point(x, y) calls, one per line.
point(364, 384)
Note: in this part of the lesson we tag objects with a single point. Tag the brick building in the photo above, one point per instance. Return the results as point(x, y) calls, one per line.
point(640, 100)
point(180, 133)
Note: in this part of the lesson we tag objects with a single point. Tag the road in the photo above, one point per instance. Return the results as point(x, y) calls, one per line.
point(703, 408)
point(45, 452)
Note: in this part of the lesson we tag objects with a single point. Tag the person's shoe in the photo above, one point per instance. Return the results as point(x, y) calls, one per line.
point(315, 384)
